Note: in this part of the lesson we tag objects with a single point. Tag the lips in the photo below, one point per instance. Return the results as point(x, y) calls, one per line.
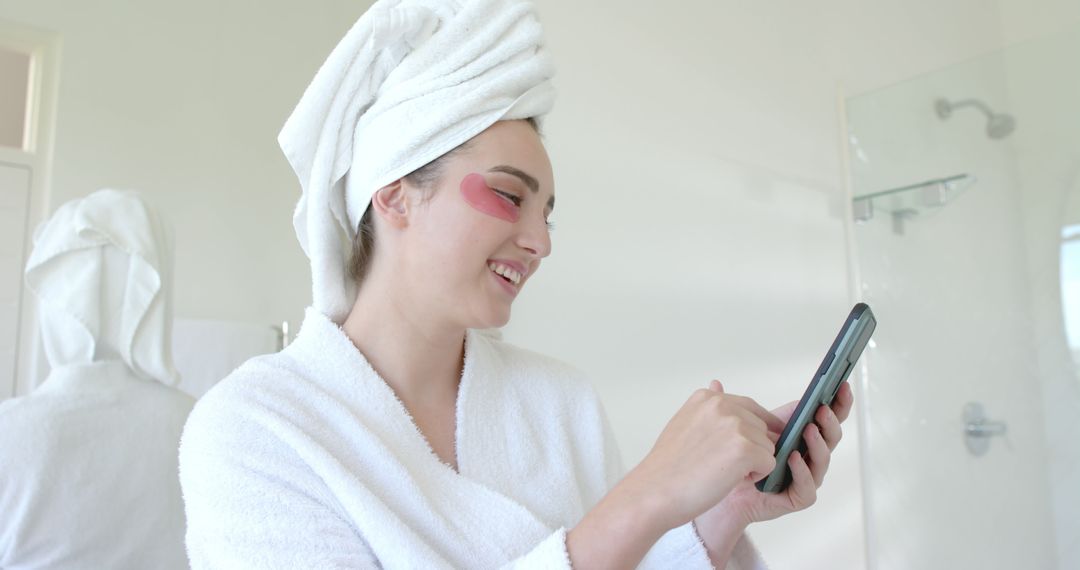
point(505, 272)
point(509, 273)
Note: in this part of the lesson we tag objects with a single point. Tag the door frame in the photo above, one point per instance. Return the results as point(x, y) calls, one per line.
point(37, 155)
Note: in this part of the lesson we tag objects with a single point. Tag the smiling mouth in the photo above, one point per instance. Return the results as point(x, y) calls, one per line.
point(508, 274)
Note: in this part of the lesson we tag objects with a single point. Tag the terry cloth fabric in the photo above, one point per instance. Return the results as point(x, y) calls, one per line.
point(412, 80)
point(88, 472)
point(101, 269)
point(88, 461)
point(307, 459)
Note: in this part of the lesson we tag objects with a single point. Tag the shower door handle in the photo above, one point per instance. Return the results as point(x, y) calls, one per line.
point(984, 429)
point(978, 430)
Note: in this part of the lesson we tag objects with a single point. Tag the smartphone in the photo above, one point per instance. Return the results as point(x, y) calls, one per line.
point(834, 369)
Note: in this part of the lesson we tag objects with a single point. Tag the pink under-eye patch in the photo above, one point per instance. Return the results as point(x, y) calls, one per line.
point(484, 199)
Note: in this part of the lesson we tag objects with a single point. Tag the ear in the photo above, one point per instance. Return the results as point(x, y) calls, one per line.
point(391, 204)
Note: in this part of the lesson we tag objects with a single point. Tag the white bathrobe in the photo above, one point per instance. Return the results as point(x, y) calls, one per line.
point(88, 472)
point(88, 466)
point(306, 459)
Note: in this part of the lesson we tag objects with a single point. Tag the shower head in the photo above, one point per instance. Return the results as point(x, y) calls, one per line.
point(998, 125)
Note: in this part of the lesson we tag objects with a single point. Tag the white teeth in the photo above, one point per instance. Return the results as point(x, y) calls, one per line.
point(505, 271)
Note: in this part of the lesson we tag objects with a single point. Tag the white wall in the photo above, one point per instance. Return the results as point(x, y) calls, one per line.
point(700, 228)
point(1023, 20)
point(1048, 163)
point(183, 102)
point(700, 221)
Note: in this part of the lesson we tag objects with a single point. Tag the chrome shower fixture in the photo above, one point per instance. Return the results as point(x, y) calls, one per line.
point(998, 125)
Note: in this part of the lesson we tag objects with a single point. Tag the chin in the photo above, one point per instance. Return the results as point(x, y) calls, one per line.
point(491, 321)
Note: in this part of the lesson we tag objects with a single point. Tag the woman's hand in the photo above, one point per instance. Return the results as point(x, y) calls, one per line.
point(745, 504)
point(712, 444)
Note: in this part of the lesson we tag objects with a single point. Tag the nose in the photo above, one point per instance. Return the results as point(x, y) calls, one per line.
point(534, 237)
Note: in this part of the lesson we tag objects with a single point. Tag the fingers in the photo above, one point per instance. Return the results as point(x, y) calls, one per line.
point(762, 465)
point(769, 432)
point(784, 412)
point(772, 422)
point(767, 426)
point(819, 453)
point(829, 425)
point(843, 402)
point(759, 432)
point(802, 491)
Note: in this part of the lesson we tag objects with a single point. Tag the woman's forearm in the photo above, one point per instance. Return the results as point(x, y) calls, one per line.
point(714, 443)
point(720, 534)
point(618, 531)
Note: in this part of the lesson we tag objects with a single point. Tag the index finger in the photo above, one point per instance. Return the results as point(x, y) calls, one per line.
point(772, 422)
point(784, 412)
point(843, 402)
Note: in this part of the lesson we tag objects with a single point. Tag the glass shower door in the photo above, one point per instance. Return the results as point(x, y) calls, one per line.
point(967, 206)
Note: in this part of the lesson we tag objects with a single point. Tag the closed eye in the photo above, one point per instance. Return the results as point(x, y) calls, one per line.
point(515, 200)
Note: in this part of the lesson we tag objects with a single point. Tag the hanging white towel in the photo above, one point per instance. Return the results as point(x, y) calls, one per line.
point(306, 459)
point(88, 460)
point(101, 269)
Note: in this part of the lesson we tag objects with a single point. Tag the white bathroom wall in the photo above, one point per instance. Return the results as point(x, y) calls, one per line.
point(183, 102)
point(1044, 86)
point(700, 229)
point(700, 222)
point(1023, 20)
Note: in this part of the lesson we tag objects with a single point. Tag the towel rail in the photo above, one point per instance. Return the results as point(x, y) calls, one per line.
point(282, 332)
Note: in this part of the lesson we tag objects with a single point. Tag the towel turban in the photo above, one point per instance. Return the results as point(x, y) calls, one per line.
point(409, 82)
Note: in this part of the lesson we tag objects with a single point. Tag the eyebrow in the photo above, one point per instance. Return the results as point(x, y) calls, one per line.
point(529, 181)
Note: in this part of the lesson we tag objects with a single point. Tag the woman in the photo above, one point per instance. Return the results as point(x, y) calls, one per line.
point(391, 433)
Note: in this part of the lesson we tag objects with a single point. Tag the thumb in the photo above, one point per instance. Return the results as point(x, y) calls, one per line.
point(716, 386)
point(762, 469)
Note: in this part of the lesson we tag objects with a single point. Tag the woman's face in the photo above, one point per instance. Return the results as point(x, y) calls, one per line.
point(482, 231)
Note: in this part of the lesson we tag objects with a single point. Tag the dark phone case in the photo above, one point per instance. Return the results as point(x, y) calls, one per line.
point(834, 369)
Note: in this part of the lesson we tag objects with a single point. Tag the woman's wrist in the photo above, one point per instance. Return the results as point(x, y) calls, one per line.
point(618, 531)
point(720, 529)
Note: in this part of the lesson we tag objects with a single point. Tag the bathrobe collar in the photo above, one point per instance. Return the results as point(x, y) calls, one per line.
point(470, 500)
point(348, 366)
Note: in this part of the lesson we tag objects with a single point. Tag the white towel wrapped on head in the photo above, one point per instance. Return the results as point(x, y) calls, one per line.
point(411, 81)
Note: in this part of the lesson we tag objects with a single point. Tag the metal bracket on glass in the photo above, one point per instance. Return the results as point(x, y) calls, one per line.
point(978, 430)
point(909, 201)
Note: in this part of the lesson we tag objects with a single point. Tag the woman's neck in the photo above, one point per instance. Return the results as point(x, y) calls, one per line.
point(418, 358)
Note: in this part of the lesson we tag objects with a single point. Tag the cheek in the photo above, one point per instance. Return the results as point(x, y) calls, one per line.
point(482, 198)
